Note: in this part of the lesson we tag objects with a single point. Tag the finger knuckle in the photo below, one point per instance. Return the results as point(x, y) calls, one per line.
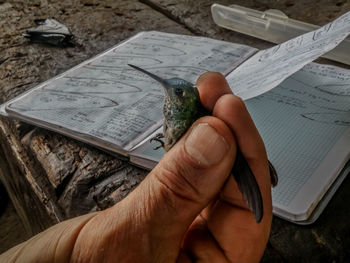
point(175, 187)
point(238, 104)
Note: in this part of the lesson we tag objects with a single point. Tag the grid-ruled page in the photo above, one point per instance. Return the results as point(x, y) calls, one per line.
point(300, 121)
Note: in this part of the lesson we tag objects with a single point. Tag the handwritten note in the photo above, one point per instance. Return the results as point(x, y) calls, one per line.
point(300, 121)
point(106, 99)
point(268, 68)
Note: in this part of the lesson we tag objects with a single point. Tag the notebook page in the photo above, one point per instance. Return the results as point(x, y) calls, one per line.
point(268, 68)
point(300, 122)
point(104, 99)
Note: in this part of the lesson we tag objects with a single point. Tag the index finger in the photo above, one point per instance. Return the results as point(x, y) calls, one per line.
point(211, 86)
point(214, 89)
point(229, 221)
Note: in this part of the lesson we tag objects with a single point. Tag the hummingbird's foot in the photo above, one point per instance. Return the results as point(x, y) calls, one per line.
point(158, 138)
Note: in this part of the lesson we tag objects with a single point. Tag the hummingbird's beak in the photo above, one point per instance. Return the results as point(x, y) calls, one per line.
point(155, 77)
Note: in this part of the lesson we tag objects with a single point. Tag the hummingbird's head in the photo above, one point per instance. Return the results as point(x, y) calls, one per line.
point(180, 91)
point(177, 91)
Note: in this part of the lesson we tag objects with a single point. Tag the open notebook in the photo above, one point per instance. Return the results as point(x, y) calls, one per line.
point(304, 121)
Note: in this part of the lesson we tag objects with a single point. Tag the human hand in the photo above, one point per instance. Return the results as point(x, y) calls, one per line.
point(187, 209)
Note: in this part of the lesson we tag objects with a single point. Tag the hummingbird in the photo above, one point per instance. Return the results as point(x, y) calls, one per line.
point(182, 107)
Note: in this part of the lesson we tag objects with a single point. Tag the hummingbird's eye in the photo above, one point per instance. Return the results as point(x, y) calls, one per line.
point(179, 91)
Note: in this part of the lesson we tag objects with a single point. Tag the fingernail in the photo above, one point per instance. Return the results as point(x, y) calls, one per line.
point(205, 145)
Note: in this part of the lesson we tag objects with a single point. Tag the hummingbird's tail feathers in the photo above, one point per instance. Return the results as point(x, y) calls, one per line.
point(248, 186)
point(155, 77)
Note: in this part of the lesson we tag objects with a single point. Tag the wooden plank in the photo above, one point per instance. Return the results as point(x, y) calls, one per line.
point(85, 179)
point(32, 200)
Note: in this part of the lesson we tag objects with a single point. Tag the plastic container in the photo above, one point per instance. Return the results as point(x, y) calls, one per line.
point(271, 25)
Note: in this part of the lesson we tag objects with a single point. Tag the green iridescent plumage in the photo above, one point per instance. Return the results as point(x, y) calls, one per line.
point(182, 107)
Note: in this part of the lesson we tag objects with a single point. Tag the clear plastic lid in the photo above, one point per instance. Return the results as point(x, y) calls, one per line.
point(271, 25)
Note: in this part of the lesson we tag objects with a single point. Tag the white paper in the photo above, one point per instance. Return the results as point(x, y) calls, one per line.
point(302, 122)
point(106, 99)
point(268, 68)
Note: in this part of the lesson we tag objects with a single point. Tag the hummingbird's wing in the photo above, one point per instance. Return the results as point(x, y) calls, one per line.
point(248, 186)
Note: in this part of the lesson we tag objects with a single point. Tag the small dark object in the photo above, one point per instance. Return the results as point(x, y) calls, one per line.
point(3, 198)
point(158, 138)
point(50, 31)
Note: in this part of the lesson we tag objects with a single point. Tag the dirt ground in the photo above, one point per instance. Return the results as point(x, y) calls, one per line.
point(11, 229)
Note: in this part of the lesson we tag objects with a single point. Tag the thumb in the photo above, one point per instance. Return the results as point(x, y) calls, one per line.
point(188, 177)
